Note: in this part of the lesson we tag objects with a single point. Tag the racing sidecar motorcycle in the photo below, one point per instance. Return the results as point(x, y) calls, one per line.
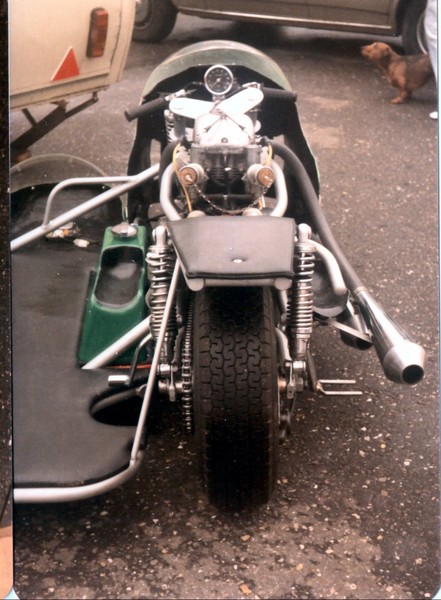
point(197, 278)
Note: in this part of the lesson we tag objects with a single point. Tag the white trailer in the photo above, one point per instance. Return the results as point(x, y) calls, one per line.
point(60, 49)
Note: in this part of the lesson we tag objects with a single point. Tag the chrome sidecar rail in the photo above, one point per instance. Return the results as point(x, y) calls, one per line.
point(126, 183)
point(80, 492)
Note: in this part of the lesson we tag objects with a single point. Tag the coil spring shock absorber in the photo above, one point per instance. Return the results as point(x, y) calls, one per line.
point(300, 297)
point(161, 260)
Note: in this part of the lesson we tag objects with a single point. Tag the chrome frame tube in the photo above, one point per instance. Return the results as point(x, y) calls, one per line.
point(85, 207)
point(155, 363)
point(118, 347)
point(282, 346)
point(142, 344)
point(172, 214)
point(78, 181)
point(79, 492)
point(281, 191)
point(334, 272)
point(165, 195)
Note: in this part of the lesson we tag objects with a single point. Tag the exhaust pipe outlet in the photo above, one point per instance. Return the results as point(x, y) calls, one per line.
point(402, 359)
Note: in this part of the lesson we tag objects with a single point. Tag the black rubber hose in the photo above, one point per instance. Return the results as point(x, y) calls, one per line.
point(166, 157)
point(352, 280)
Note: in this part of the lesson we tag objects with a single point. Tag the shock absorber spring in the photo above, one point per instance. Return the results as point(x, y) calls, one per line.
point(160, 261)
point(300, 297)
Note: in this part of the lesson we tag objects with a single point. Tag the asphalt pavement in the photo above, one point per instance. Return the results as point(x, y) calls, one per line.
point(355, 514)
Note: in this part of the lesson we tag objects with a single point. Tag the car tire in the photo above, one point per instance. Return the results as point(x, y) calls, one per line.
point(412, 30)
point(154, 20)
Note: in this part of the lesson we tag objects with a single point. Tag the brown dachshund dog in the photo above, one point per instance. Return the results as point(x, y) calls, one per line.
point(407, 73)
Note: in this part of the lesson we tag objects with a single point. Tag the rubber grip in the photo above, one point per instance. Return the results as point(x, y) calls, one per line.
point(145, 109)
point(282, 94)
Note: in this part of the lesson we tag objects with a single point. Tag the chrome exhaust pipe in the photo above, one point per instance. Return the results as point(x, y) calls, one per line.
point(401, 358)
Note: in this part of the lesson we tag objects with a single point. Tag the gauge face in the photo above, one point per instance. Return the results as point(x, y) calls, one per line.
point(218, 80)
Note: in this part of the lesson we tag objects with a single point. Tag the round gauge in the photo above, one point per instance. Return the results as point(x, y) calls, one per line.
point(218, 80)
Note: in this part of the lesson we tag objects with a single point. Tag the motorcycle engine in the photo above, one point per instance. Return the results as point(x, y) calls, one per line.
point(224, 145)
point(223, 155)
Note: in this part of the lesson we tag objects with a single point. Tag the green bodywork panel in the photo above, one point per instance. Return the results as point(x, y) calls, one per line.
point(116, 297)
point(216, 51)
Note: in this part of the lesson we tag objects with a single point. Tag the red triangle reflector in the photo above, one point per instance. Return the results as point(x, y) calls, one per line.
point(67, 68)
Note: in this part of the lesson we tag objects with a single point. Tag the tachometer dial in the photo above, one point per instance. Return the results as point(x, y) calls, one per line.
point(218, 80)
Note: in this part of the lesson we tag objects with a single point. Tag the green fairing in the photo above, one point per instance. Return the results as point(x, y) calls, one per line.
point(212, 52)
point(116, 297)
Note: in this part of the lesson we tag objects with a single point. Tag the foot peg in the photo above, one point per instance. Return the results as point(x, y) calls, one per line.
point(319, 387)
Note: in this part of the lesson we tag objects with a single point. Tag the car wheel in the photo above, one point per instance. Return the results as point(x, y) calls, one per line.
point(412, 31)
point(154, 20)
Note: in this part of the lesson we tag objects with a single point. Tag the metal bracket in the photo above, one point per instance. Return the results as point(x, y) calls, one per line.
point(350, 330)
point(127, 380)
point(290, 381)
point(317, 384)
point(321, 390)
point(166, 381)
point(39, 129)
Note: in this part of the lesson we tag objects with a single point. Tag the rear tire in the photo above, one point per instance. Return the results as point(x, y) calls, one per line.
point(154, 20)
point(236, 395)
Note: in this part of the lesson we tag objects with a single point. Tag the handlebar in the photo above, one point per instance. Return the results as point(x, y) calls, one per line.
point(163, 101)
point(279, 94)
point(146, 108)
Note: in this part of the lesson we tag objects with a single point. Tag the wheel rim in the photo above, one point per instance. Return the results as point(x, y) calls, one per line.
point(142, 11)
point(420, 34)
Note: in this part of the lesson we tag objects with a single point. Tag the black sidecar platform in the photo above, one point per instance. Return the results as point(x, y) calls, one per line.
point(58, 444)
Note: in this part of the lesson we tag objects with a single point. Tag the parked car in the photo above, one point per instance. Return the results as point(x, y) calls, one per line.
point(155, 19)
